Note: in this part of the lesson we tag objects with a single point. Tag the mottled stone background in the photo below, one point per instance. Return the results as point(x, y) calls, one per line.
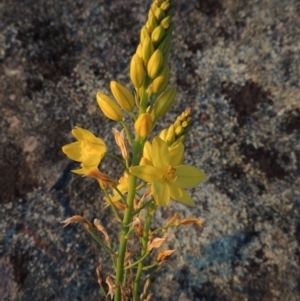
point(236, 63)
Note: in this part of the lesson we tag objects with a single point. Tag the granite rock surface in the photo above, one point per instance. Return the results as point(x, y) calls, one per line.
point(235, 63)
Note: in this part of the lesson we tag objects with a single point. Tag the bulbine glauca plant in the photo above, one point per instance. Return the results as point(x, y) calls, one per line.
point(154, 173)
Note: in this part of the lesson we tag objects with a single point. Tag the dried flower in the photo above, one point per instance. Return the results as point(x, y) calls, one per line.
point(163, 254)
point(78, 219)
point(101, 229)
point(156, 243)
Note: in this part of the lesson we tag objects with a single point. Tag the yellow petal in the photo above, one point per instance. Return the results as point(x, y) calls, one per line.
point(188, 176)
point(73, 151)
point(82, 134)
point(181, 196)
point(97, 144)
point(176, 154)
point(160, 153)
point(161, 193)
point(92, 161)
point(147, 152)
point(146, 172)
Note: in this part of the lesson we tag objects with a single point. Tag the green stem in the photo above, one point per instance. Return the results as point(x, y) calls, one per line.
point(137, 281)
point(137, 262)
point(153, 265)
point(102, 244)
point(142, 207)
point(114, 208)
point(126, 221)
point(120, 194)
point(112, 156)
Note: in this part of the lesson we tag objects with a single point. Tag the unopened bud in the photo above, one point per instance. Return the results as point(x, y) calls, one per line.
point(144, 34)
point(185, 124)
point(154, 64)
point(165, 6)
point(123, 96)
point(151, 23)
point(160, 83)
point(179, 131)
point(137, 71)
point(147, 49)
point(143, 125)
point(159, 14)
point(157, 34)
point(139, 51)
point(165, 22)
point(109, 108)
point(164, 102)
point(170, 138)
point(153, 7)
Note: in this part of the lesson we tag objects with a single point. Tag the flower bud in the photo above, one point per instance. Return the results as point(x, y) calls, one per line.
point(160, 83)
point(144, 34)
point(165, 6)
point(170, 138)
point(165, 22)
point(179, 131)
point(155, 63)
point(137, 71)
point(157, 34)
point(109, 108)
point(164, 102)
point(139, 51)
point(143, 125)
point(123, 96)
point(151, 23)
point(147, 49)
point(159, 14)
point(153, 7)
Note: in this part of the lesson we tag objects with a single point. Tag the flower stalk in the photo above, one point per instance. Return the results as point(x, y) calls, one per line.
point(154, 172)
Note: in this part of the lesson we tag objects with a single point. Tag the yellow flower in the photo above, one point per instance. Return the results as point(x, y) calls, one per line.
point(89, 150)
point(160, 167)
point(143, 125)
